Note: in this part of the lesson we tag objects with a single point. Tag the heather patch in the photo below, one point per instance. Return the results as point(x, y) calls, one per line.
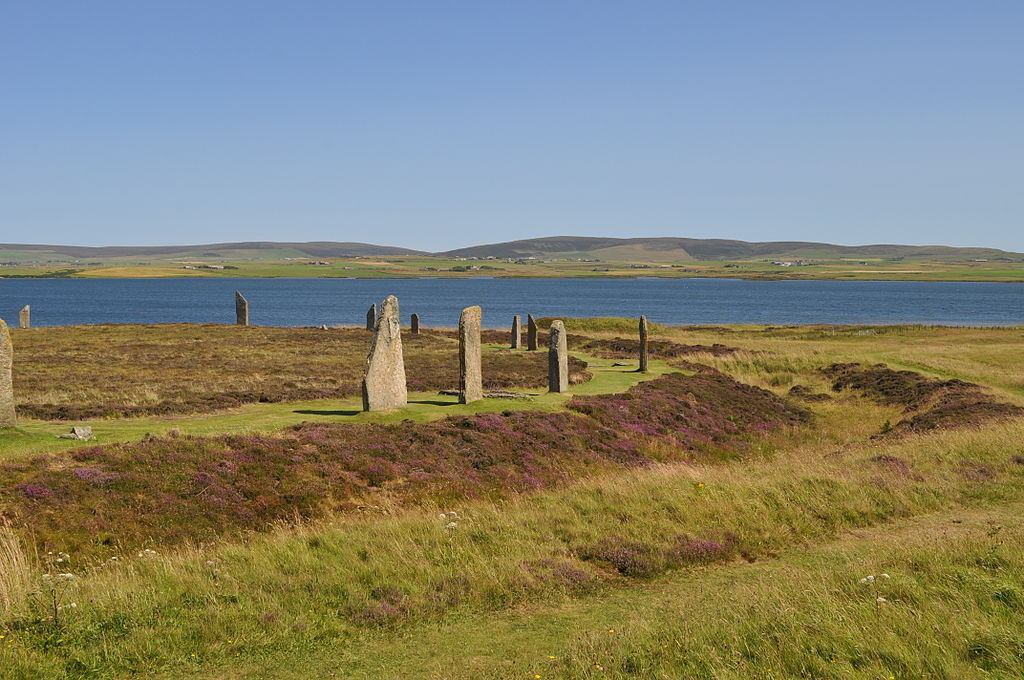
point(628, 348)
point(636, 559)
point(82, 372)
point(167, 490)
point(616, 348)
point(698, 411)
point(171, 489)
point(893, 464)
point(804, 393)
point(929, 404)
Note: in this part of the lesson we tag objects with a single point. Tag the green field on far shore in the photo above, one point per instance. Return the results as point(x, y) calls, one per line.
point(420, 266)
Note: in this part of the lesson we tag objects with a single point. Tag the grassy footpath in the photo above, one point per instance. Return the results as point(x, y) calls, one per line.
point(952, 609)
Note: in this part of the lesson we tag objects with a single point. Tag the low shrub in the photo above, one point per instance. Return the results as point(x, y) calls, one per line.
point(165, 490)
point(694, 412)
point(929, 404)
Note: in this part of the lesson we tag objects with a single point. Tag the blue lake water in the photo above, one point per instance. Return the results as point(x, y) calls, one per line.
point(303, 301)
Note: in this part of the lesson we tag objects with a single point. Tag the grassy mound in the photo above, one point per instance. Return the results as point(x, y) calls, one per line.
point(629, 348)
point(599, 324)
point(706, 411)
point(929, 404)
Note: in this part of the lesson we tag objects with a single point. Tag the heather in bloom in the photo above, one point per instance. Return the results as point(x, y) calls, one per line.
point(170, 489)
point(693, 411)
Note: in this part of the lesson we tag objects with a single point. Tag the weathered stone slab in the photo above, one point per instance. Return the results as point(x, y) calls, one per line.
point(471, 384)
point(415, 324)
point(241, 310)
point(371, 316)
point(643, 343)
point(517, 333)
point(531, 333)
point(383, 383)
point(80, 433)
point(7, 417)
point(558, 358)
point(25, 317)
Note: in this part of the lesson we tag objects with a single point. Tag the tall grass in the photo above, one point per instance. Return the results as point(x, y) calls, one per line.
point(16, 574)
point(300, 589)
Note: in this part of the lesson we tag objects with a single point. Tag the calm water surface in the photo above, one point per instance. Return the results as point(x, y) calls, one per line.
point(303, 302)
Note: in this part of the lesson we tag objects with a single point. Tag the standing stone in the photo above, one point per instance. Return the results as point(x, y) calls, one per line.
point(471, 384)
point(371, 316)
point(558, 358)
point(415, 324)
point(25, 317)
point(384, 380)
point(7, 418)
point(241, 310)
point(643, 343)
point(517, 333)
point(531, 333)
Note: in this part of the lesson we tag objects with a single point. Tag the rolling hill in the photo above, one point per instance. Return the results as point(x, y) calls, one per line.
point(249, 249)
point(666, 249)
point(681, 249)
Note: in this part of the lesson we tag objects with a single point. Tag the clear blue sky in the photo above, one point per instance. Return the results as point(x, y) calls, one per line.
point(435, 124)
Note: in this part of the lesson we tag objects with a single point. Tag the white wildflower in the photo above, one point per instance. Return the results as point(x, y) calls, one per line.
point(885, 576)
point(451, 525)
point(880, 599)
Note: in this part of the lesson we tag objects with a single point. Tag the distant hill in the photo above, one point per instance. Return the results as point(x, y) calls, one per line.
point(254, 249)
point(666, 249)
point(681, 249)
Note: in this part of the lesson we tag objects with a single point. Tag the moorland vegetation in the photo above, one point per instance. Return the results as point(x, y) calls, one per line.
point(835, 502)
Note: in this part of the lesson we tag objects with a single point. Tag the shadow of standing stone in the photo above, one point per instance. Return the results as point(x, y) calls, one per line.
point(558, 358)
point(471, 384)
point(383, 383)
point(7, 417)
point(241, 310)
point(531, 333)
point(25, 317)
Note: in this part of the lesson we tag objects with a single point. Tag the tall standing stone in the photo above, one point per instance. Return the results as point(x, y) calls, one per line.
point(558, 358)
point(371, 316)
point(471, 383)
point(7, 418)
point(25, 317)
point(531, 333)
point(241, 310)
point(384, 380)
point(415, 324)
point(643, 343)
point(517, 333)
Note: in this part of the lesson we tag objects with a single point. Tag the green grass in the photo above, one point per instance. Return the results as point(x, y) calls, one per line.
point(279, 598)
point(687, 624)
point(35, 437)
point(389, 592)
point(619, 265)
